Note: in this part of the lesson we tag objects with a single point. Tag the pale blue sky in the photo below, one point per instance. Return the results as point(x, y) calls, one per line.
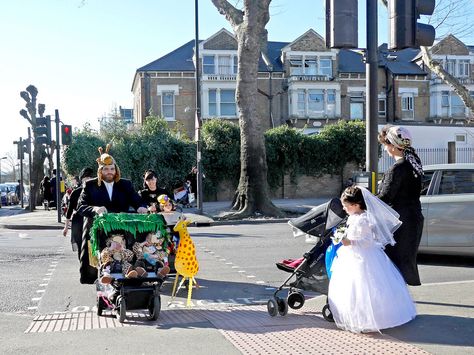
point(82, 57)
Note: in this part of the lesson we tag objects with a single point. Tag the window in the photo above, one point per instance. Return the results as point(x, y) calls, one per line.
point(227, 106)
point(167, 104)
point(315, 101)
point(213, 102)
point(407, 103)
point(382, 107)
point(457, 106)
point(457, 182)
point(444, 98)
point(331, 96)
point(325, 67)
point(208, 64)
point(311, 67)
point(450, 66)
point(425, 182)
point(225, 66)
point(296, 66)
point(464, 67)
point(461, 138)
point(301, 107)
point(236, 64)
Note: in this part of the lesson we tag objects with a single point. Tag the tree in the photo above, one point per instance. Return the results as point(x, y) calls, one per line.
point(449, 16)
point(39, 153)
point(252, 195)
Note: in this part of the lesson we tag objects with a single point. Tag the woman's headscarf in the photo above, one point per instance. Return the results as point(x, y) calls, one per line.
point(400, 138)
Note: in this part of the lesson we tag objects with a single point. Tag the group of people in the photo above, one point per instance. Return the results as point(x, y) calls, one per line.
point(377, 257)
point(107, 192)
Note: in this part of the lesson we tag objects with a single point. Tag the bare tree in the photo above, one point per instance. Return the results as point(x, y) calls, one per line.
point(449, 17)
point(252, 195)
point(39, 153)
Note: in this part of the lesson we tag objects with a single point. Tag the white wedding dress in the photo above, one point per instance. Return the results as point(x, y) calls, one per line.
point(366, 291)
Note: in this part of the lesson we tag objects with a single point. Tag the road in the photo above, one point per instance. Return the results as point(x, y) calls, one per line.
point(237, 267)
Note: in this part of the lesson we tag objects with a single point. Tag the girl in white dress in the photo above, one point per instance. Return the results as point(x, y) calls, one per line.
point(367, 292)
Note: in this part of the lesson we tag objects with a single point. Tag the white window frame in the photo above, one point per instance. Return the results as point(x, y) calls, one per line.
point(172, 105)
point(322, 68)
point(382, 113)
point(408, 102)
point(209, 66)
point(225, 65)
point(450, 66)
point(214, 103)
point(227, 103)
point(463, 67)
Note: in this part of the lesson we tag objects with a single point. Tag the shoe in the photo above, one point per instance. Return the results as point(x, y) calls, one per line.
point(132, 274)
point(141, 272)
point(163, 271)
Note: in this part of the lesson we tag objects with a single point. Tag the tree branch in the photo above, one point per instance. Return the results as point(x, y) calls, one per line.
point(232, 14)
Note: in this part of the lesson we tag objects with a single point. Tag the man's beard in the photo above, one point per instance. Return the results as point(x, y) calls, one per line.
point(108, 177)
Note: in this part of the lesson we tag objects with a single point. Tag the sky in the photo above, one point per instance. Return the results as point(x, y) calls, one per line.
point(82, 54)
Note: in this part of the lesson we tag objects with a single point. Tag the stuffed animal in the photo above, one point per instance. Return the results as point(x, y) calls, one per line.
point(151, 251)
point(116, 258)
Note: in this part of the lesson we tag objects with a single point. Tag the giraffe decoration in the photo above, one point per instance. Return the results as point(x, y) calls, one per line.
point(185, 262)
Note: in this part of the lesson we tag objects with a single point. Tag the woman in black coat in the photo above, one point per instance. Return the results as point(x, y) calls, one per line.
point(151, 191)
point(401, 188)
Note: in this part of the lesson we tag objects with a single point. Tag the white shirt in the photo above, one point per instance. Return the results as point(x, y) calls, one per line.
point(110, 188)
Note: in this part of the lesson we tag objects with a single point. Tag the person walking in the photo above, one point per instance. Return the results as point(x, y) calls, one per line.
point(72, 217)
point(401, 188)
point(366, 291)
point(108, 192)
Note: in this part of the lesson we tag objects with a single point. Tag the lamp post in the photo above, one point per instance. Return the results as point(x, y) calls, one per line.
point(198, 122)
point(1, 168)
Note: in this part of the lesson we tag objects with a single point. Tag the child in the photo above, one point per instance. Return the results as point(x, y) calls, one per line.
point(367, 292)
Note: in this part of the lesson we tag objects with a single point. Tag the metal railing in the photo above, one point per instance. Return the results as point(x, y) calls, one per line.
point(431, 156)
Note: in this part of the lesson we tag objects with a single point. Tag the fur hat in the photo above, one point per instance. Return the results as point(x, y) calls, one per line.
point(106, 159)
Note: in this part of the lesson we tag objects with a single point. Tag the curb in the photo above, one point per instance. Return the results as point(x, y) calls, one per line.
point(31, 227)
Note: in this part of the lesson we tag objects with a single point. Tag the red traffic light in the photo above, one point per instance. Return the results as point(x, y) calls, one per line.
point(66, 129)
point(66, 135)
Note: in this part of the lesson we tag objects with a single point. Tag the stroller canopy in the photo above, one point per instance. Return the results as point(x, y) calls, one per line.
point(320, 219)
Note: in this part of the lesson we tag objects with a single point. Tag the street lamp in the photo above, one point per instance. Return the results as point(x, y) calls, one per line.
point(1, 168)
point(198, 112)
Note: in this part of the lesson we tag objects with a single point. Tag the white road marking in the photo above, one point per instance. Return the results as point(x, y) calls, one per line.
point(448, 283)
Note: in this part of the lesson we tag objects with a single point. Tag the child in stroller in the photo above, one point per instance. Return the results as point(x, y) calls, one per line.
point(124, 288)
point(310, 271)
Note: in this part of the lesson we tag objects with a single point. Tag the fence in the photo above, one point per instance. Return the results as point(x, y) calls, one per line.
point(430, 156)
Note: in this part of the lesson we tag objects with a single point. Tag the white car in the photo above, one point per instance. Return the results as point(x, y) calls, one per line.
point(448, 207)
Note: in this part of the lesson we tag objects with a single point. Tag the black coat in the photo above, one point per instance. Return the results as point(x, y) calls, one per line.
point(151, 197)
point(400, 188)
point(124, 196)
point(77, 219)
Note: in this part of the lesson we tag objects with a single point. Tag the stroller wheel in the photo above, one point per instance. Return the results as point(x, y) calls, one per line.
point(272, 307)
point(295, 300)
point(282, 307)
point(327, 314)
point(155, 307)
point(122, 309)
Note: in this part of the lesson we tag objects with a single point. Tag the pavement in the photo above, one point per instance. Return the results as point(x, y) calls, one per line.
point(213, 213)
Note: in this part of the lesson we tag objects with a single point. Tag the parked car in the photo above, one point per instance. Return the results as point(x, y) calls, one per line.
point(13, 199)
point(4, 194)
point(448, 206)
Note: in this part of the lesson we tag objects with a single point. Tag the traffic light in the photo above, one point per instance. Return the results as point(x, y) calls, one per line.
point(341, 24)
point(23, 147)
point(66, 134)
point(43, 130)
point(405, 31)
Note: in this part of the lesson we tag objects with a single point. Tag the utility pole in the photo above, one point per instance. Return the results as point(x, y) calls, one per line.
point(58, 167)
point(371, 127)
point(32, 198)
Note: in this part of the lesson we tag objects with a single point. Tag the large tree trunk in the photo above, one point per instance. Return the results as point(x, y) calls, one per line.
point(252, 195)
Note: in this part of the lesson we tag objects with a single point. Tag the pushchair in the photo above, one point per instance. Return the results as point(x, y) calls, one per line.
point(310, 274)
point(183, 195)
point(122, 293)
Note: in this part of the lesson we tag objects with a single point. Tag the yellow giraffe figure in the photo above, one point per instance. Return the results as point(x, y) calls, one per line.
point(185, 262)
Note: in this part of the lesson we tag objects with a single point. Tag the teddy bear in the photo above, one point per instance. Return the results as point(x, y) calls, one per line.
point(151, 251)
point(116, 258)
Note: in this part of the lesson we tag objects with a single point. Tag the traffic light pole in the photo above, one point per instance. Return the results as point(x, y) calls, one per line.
point(32, 198)
point(58, 167)
point(371, 148)
point(21, 173)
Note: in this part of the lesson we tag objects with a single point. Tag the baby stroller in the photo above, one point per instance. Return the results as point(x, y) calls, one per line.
point(122, 293)
point(311, 273)
point(183, 195)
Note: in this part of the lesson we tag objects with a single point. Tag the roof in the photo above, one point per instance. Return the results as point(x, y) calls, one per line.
point(181, 59)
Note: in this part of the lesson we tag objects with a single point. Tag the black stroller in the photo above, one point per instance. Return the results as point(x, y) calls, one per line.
point(311, 273)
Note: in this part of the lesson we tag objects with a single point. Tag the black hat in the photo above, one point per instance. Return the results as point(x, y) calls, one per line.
point(149, 174)
point(86, 172)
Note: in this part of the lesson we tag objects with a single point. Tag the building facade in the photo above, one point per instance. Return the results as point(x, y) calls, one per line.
point(303, 84)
